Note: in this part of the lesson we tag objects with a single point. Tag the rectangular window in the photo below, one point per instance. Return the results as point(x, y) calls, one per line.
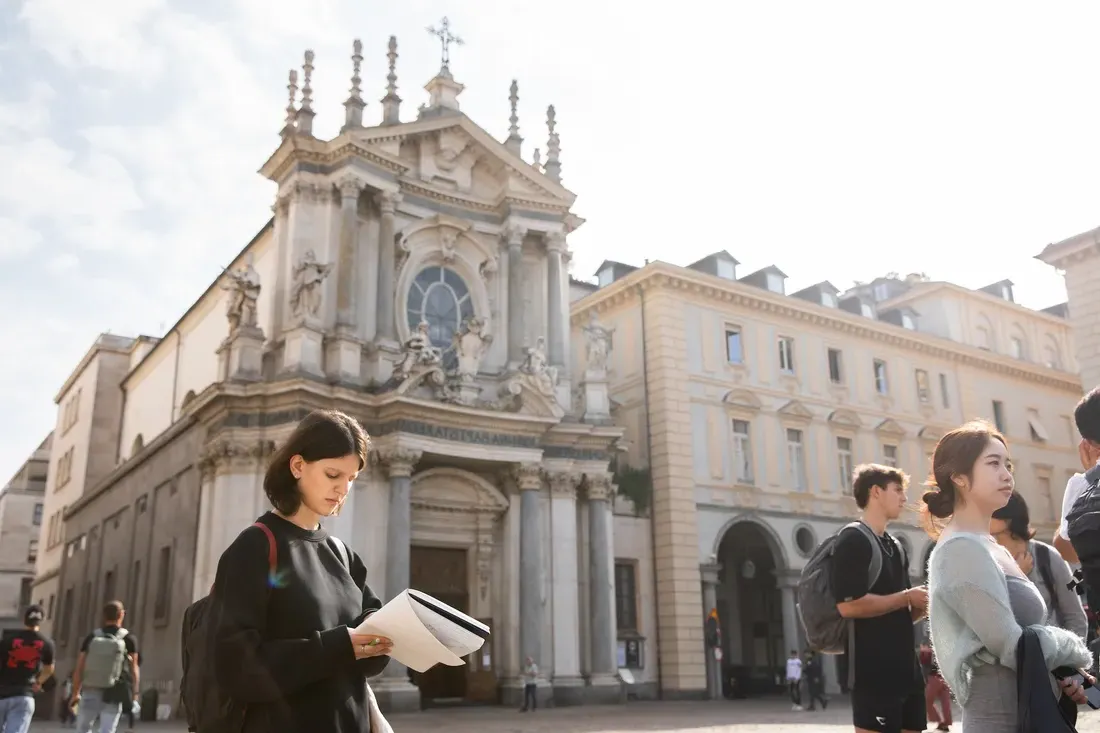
point(133, 595)
point(924, 389)
point(1016, 348)
point(25, 588)
point(108, 587)
point(626, 596)
point(49, 608)
point(1052, 511)
point(742, 452)
point(866, 310)
point(943, 391)
point(726, 270)
point(786, 354)
point(882, 385)
point(882, 292)
point(1038, 430)
point(836, 366)
point(37, 518)
point(164, 579)
point(734, 352)
point(32, 551)
point(844, 460)
point(775, 283)
point(66, 615)
point(796, 464)
point(890, 455)
point(999, 415)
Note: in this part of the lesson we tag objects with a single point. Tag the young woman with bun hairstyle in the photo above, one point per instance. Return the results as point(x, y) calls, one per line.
point(979, 598)
point(288, 596)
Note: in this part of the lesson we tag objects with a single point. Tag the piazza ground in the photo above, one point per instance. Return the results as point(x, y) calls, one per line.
point(754, 716)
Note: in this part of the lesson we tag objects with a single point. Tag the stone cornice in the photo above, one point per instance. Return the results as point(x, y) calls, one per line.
point(928, 288)
point(660, 276)
point(1073, 249)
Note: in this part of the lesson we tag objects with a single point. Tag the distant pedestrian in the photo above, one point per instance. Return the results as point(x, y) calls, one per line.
point(794, 679)
point(935, 690)
point(26, 662)
point(530, 685)
point(106, 672)
point(815, 681)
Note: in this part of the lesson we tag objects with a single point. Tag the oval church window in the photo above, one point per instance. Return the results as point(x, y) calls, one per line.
point(439, 296)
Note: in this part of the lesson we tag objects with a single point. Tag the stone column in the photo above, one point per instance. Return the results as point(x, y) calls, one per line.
point(514, 237)
point(710, 601)
point(567, 682)
point(345, 351)
point(601, 548)
point(387, 259)
point(555, 250)
point(397, 691)
point(529, 481)
point(792, 639)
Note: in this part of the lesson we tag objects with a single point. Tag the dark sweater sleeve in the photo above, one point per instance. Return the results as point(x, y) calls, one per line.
point(253, 669)
point(372, 666)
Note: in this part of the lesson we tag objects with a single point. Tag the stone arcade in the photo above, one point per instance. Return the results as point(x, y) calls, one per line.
point(416, 278)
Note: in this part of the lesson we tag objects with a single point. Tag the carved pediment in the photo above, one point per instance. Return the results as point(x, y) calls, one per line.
point(890, 426)
point(452, 489)
point(846, 418)
point(742, 398)
point(797, 410)
point(930, 434)
point(531, 394)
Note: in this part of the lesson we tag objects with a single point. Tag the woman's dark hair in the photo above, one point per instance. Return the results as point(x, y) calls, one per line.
point(955, 455)
point(321, 434)
point(1016, 513)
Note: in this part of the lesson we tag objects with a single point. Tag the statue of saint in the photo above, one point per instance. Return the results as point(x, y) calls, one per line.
point(417, 351)
point(470, 344)
point(244, 290)
point(598, 344)
point(309, 274)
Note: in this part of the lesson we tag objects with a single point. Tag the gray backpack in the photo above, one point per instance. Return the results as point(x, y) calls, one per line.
point(104, 659)
point(826, 630)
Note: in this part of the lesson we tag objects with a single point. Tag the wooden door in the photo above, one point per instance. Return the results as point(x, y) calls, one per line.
point(442, 573)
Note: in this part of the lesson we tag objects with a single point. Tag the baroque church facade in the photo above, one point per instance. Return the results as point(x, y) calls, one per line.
point(414, 275)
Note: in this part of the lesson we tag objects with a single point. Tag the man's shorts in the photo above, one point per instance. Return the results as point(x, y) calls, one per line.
point(887, 713)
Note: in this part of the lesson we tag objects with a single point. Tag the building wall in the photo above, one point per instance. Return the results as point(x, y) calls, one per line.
point(21, 514)
point(114, 552)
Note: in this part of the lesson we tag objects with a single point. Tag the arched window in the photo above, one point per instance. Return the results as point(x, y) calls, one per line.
point(440, 297)
point(1052, 356)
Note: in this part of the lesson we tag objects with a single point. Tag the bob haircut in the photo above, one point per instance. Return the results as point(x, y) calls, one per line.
point(321, 434)
point(1018, 517)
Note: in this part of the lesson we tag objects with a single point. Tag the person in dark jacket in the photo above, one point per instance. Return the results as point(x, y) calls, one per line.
point(815, 681)
point(284, 638)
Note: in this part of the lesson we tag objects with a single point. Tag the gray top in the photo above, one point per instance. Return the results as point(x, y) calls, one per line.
point(1064, 609)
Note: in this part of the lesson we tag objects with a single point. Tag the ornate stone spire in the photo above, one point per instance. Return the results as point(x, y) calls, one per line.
point(291, 113)
point(443, 90)
point(553, 148)
point(391, 103)
point(514, 141)
point(536, 160)
point(353, 108)
point(305, 112)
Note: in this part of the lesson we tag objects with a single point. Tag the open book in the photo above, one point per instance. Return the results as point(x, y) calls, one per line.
point(425, 631)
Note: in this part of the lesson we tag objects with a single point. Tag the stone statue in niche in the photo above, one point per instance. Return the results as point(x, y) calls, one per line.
point(447, 240)
point(417, 353)
point(471, 342)
point(244, 290)
point(597, 345)
point(536, 366)
point(309, 274)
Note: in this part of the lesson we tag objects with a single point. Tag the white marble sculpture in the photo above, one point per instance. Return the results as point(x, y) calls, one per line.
point(535, 365)
point(417, 354)
point(470, 343)
point(598, 344)
point(309, 275)
point(244, 290)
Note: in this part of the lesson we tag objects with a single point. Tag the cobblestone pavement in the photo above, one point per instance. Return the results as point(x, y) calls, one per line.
point(751, 716)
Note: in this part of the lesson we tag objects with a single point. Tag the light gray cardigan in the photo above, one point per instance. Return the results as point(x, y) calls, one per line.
point(971, 618)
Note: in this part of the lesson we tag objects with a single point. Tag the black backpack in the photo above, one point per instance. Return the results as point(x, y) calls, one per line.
point(1083, 528)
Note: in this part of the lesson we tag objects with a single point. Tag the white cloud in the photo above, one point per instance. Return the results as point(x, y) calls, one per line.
point(17, 238)
point(30, 115)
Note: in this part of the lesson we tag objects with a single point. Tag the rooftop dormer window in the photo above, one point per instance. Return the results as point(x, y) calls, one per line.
point(882, 292)
point(866, 310)
point(828, 299)
point(606, 276)
point(775, 283)
point(726, 270)
point(908, 322)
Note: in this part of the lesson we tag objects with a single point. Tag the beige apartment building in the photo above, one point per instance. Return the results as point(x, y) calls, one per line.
point(85, 449)
point(1078, 258)
point(750, 407)
point(21, 510)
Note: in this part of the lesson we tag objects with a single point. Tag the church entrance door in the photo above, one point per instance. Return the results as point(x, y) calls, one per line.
point(441, 572)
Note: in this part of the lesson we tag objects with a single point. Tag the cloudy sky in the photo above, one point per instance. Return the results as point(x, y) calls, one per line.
point(837, 140)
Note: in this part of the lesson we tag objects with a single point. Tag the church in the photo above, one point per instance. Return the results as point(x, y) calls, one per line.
point(414, 275)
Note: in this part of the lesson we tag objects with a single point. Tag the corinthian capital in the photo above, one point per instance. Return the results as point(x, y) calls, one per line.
point(388, 201)
point(555, 242)
point(563, 483)
point(349, 186)
point(399, 462)
point(528, 476)
point(599, 486)
point(513, 235)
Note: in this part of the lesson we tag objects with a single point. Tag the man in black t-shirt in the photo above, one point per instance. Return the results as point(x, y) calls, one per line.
point(97, 663)
point(888, 693)
point(26, 662)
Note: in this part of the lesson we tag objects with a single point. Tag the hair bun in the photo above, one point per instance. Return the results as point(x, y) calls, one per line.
point(940, 504)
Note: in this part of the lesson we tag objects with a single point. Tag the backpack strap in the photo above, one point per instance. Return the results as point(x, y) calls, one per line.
point(1042, 560)
point(342, 552)
point(272, 553)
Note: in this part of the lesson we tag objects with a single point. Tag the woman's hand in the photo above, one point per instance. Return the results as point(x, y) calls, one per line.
point(369, 645)
point(1072, 689)
point(1025, 561)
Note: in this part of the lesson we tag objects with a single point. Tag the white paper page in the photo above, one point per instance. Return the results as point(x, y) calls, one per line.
point(457, 639)
point(413, 644)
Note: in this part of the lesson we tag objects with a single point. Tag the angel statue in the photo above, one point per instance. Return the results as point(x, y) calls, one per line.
point(244, 290)
point(309, 274)
point(417, 351)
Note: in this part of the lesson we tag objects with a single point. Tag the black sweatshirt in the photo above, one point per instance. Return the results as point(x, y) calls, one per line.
point(282, 647)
